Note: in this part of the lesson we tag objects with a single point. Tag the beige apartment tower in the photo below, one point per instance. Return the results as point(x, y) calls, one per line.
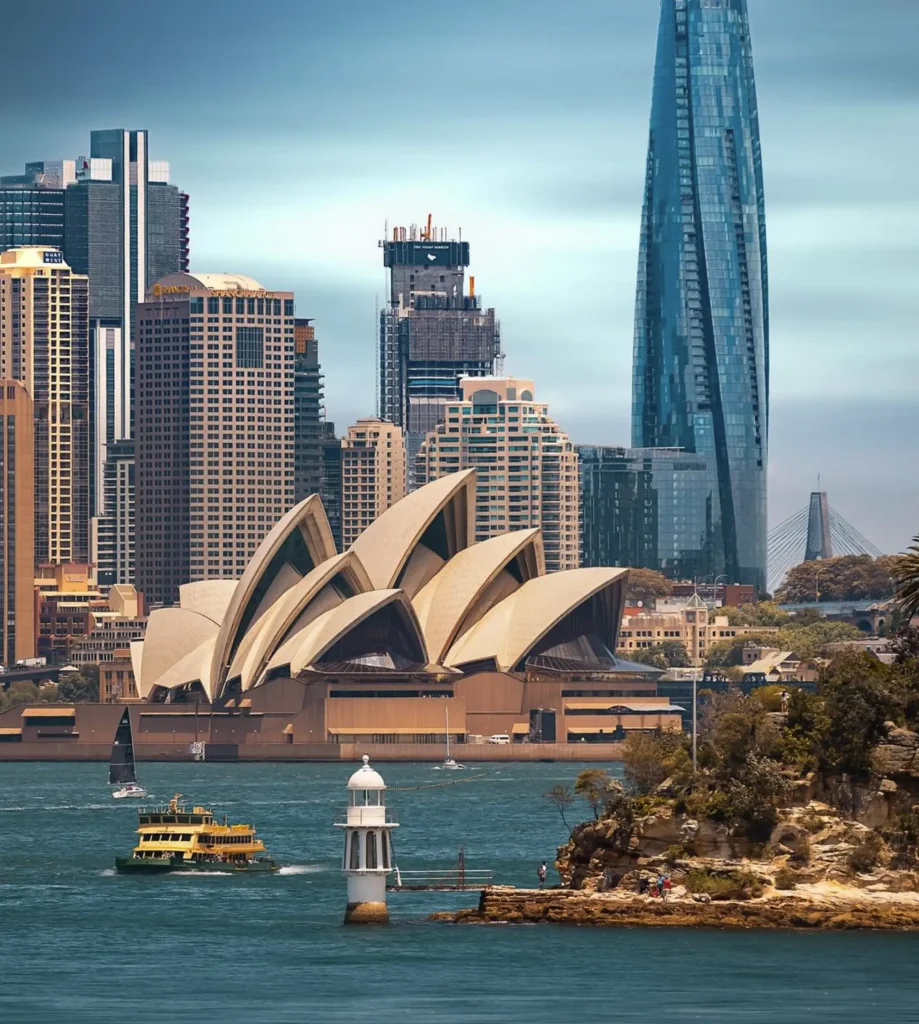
point(44, 344)
point(214, 427)
point(17, 523)
point(372, 474)
point(526, 467)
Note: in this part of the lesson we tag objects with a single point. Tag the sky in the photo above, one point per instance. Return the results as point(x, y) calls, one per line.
point(301, 128)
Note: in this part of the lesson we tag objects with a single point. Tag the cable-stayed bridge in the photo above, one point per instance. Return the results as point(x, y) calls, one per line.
point(816, 531)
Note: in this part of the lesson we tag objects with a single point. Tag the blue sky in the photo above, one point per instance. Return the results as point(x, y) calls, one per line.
point(300, 128)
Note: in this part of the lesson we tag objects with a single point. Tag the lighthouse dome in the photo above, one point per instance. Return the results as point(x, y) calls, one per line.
point(366, 778)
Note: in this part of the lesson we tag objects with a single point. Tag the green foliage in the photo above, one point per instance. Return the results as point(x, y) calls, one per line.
point(735, 885)
point(645, 586)
point(846, 578)
point(858, 699)
point(770, 696)
point(906, 573)
point(592, 785)
point(760, 613)
point(80, 687)
point(25, 692)
point(902, 835)
point(651, 758)
point(667, 654)
point(805, 640)
point(785, 878)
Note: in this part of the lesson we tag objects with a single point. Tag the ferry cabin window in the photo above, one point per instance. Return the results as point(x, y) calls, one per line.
point(371, 850)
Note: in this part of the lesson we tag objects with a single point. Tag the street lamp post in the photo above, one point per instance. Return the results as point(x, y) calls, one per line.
point(695, 684)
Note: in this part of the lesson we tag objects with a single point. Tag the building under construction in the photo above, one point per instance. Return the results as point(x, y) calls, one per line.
point(433, 331)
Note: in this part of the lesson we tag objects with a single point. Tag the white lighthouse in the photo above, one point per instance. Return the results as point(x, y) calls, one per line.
point(367, 858)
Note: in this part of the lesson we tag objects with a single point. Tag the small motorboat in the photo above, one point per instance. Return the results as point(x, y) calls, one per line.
point(131, 789)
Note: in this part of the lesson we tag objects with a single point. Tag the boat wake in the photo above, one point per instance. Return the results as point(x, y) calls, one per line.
point(302, 869)
point(108, 873)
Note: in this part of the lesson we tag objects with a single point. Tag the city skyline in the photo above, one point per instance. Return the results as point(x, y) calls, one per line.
point(833, 99)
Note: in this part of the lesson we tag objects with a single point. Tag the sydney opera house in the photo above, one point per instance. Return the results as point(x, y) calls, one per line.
point(413, 631)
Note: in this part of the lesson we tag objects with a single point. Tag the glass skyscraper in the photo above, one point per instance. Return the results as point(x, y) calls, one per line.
point(701, 358)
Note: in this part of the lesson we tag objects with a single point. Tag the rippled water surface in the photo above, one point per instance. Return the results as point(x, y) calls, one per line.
point(78, 943)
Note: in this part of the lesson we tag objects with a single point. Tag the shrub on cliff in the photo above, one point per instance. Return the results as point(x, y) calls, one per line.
point(734, 885)
point(652, 758)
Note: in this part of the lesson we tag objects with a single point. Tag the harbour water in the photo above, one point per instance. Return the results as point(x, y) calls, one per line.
point(80, 944)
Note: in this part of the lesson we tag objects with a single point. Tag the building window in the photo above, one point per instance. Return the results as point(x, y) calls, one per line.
point(250, 346)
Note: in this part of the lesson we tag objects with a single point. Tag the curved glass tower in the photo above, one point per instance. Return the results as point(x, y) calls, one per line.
point(701, 358)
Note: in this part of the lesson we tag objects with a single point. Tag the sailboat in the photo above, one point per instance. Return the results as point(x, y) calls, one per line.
point(121, 763)
point(449, 764)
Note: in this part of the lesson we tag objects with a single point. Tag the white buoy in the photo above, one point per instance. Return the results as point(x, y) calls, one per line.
point(367, 858)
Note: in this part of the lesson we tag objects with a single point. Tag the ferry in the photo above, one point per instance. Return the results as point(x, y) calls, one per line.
point(174, 838)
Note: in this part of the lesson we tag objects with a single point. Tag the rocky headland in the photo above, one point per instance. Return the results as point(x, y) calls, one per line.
point(747, 843)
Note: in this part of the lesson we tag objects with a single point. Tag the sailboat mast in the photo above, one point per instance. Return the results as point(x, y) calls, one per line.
point(447, 720)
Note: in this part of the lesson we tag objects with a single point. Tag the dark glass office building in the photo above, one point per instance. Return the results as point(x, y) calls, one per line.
point(31, 215)
point(701, 359)
point(649, 508)
point(307, 411)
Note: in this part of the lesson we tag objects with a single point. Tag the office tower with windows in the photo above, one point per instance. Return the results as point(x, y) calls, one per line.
point(17, 523)
point(32, 204)
point(214, 427)
point(307, 411)
point(701, 357)
point(44, 343)
point(115, 540)
point(526, 467)
point(431, 332)
point(126, 227)
point(647, 508)
point(372, 474)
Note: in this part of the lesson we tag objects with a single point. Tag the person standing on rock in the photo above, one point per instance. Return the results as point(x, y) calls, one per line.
point(541, 874)
point(783, 698)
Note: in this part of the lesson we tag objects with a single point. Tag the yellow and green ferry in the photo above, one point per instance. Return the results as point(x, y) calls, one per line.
point(174, 838)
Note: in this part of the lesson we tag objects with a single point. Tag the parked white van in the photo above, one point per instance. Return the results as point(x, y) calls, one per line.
point(499, 737)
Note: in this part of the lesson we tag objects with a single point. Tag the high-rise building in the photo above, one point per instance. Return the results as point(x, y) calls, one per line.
point(307, 411)
point(647, 508)
point(372, 474)
point(431, 332)
point(526, 467)
point(330, 484)
point(44, 343)
point(214, 426)
point(701, 360)
point(115, 537)
point(32, 205)
point(126, 227)
point(17, 523)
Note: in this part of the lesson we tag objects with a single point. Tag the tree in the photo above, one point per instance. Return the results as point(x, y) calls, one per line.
point(906, 573)
point(667, 654)
point(561, 799)
point(651, 759)
point(593, 786)
point(846, 578)
point(80, 687)
point(761, 613)
point(25, 692)
point(858, 698)
point(645, 586)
